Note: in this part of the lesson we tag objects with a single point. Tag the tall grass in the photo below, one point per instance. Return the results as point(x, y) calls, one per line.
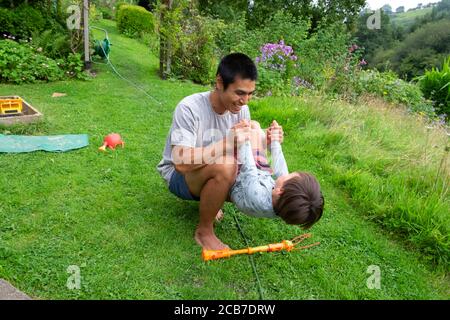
point(393, 166)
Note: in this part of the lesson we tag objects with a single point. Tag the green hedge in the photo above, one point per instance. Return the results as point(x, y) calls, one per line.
point(22, 21)
point(134, 20)
point(118, 6)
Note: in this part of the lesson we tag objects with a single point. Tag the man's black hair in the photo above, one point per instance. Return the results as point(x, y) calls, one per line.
point(236, 65)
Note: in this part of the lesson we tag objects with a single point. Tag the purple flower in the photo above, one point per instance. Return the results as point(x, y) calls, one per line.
point(275, 55)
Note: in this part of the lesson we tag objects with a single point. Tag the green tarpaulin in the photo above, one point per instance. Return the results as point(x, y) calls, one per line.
point(61, 143)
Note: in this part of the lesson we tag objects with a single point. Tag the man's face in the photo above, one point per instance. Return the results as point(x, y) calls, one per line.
point(237, 94)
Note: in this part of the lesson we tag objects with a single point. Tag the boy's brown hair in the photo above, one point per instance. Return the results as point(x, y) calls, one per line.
point(301, 201)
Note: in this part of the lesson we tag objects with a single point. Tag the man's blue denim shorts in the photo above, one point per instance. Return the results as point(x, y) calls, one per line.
point(179, 187)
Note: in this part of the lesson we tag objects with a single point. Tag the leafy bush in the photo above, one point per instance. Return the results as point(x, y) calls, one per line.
point(118, 6)
point(134, 20)
point(73, 66)
point(189, 50)
point(276, 67)
point(107, 13)
point(435, 85)
point(53, 44)
point(195, 59)
point(323, 55)
point(21, 64)
point(7, 21)
point(281, 26)
point(393, 89)
point(22, 22)
point(94, 13)
point(281, 32)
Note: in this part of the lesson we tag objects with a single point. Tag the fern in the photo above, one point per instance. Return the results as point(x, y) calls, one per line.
point(435, 85)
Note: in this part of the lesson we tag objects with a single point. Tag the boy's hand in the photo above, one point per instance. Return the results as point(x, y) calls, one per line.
point(275, 133)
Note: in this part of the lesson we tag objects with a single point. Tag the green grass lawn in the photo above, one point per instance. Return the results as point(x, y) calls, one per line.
point(112, 215)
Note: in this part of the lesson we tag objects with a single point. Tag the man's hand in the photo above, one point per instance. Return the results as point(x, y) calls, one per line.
point(241, 132)
point(275, 133)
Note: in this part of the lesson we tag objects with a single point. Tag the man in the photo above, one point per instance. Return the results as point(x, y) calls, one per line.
point(198, 160)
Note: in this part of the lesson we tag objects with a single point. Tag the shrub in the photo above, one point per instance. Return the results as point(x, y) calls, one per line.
point(94, 13)
point(276, 66)
point(393, 89)
point(21, 64)
point(54, 45)
point(27, 20)
point(73, 66)
point(323, 55)
point(118, 6)
point(195, 59)
point(7, 21)
point(282, 26)
point(107, 13)
point(134, 20)
point(435, 85)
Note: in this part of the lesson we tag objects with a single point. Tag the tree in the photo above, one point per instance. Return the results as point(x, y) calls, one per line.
point(259, 12)
point(387, 9)
point(227, 10)
point(419, 50)
point(318, 12)
point(372, 40)
point(400, 9)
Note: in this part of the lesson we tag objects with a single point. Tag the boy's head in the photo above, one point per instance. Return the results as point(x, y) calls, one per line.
point(299, 199)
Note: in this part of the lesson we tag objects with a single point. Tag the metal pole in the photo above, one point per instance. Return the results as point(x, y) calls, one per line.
point(87, 58)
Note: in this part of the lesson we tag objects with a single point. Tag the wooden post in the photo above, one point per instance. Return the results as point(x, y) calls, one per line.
point(161, 45)
point(165, 58)
point(87, 58)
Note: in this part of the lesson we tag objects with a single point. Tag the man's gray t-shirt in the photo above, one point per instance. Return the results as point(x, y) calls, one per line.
point(195, 124)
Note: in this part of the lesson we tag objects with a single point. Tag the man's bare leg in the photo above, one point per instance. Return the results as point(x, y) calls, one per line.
point(212, 183)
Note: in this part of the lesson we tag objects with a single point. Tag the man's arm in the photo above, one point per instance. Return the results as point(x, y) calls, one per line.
point(187, 159)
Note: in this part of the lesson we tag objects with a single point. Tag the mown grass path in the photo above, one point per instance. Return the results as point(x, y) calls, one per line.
point(111, 215)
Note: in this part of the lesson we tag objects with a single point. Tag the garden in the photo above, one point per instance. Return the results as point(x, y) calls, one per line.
point(378, 143)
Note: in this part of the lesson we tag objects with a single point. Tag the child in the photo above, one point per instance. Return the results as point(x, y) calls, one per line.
point(294, 197)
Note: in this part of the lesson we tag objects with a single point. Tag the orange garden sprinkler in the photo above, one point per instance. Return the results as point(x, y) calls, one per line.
point(287, 245)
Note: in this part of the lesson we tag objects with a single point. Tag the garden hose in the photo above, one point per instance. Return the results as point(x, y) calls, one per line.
point(104, 46)
point(252, 262)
